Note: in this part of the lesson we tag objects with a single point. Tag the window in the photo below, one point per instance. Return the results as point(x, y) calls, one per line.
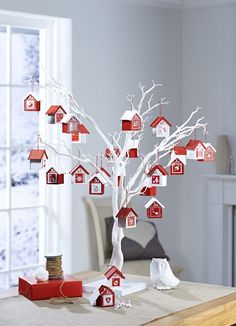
point(28, 211)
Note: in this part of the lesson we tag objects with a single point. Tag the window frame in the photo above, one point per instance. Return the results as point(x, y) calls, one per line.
point(55, 229)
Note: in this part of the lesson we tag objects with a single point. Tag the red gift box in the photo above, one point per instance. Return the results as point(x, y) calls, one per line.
point(34, 290)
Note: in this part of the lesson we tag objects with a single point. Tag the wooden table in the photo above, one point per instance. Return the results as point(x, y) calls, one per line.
point(220, 311)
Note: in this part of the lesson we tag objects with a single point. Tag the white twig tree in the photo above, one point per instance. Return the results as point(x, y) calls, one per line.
point(128, 187)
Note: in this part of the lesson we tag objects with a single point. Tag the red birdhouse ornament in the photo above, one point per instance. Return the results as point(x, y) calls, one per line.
point(158, 175)
point(161, 127)
point(131, 121)
point(54, 178)
point(127, 217)
point(31, 104)
point(79, 174)
point(104, 297)
point(154, 208)
point(70, 124)
point(195, 150)
point(176, 167)
point(97, 184)
point(37, 158)
point(55, 114)
point(210, 153)
point(114, 276)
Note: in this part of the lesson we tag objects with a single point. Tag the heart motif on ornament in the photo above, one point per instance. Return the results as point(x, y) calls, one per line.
point(108, 300)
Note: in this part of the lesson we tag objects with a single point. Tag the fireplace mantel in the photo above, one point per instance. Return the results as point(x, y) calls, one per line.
point(220, 228)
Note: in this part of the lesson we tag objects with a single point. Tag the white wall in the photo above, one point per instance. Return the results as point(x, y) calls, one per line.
point(115, 45)
point(209, 79)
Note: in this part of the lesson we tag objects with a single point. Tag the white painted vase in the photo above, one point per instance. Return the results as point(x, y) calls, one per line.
point(223, 155)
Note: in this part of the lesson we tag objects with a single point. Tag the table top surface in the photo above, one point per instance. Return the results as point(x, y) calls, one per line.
point(188, 304)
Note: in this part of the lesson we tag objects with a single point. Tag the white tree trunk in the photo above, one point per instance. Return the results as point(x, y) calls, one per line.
point(117, 258)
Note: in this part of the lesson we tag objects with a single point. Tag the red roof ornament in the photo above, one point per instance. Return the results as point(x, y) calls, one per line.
point(161, 127)
point(210, 153)
point(158, 175)
point(55, 114)
point(53, 177)
point(37, 158)
point(97, 184)
point(79, 174)
point(159, 168)
point(195, 150)
point(154, 208)
point(113, 270)
point(127, 217)
point(131, 121)
point(106, 297)
point(31, 104)
point(177, 167)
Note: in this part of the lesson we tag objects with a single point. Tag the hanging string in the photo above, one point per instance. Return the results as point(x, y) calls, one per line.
point(39, 140)
point(157, 157)
point(54, 266)
point(205, 136)
point(96, 163)
point(32, 85)
point(160, 108)
point(101, 159)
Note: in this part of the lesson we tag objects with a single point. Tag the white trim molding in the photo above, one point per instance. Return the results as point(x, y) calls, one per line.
point(206, 3)
point(171, 4)
point(181, 4)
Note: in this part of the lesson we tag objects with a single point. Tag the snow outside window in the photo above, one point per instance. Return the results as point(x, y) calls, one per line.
point(29, 213)
point(20, 207)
